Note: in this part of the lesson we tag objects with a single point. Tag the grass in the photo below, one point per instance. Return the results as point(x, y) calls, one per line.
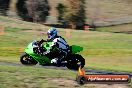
point(124, 28)
point(105, 47)
point(32, 77)
point(108, 9)
point(8, 22)
point(115, 63)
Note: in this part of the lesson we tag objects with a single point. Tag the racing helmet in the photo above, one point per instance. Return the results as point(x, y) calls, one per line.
point(52, 32)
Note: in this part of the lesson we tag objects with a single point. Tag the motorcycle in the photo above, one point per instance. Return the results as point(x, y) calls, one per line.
point(34, 54)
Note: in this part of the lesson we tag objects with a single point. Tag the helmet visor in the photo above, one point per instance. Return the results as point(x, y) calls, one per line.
point(49, 35)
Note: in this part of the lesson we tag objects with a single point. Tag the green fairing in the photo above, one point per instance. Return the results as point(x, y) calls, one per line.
point(38, 58)
point(43, 59)
point(76, 49)
point(48, 45)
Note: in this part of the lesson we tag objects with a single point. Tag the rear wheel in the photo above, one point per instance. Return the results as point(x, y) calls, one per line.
point(74, 61)
point(81, 80)
point(27, 59)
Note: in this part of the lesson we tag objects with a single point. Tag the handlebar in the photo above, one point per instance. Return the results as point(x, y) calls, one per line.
point(41, 41)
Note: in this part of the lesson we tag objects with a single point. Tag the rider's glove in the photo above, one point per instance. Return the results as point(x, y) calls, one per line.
point(48, 51)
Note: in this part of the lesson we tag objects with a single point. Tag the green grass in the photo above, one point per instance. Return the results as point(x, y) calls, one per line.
point(32, 77)
point(100, 45)
point(13, 59)
point(124, 28)
point(115, 63)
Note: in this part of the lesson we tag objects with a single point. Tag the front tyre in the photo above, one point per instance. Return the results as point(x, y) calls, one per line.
point(25, 59)
point(74, 61)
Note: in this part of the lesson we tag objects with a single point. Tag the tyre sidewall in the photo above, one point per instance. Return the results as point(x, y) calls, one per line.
point(72, 63)
point(32, 61)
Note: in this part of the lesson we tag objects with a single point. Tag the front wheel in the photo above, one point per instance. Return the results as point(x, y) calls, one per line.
point(25, 59)
point(74, 61)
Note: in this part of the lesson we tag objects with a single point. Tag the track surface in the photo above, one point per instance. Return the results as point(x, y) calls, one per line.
point(64, 68)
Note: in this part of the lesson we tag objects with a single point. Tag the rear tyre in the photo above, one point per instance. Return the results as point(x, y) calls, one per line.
point(75, 61)
point(81, 80)
point(26, 59)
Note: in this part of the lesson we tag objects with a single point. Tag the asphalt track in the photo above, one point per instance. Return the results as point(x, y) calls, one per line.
point(88, 70)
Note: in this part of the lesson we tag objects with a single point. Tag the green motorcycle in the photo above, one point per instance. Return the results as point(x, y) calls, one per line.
point(33, 55)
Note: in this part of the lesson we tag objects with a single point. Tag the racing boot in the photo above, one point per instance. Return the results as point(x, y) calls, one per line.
point(56, 62)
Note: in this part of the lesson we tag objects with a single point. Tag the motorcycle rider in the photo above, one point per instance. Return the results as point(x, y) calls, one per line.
point(59, 43)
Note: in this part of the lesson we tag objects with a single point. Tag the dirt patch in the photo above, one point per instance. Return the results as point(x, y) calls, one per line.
point(2, 30)
point(65, 82)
